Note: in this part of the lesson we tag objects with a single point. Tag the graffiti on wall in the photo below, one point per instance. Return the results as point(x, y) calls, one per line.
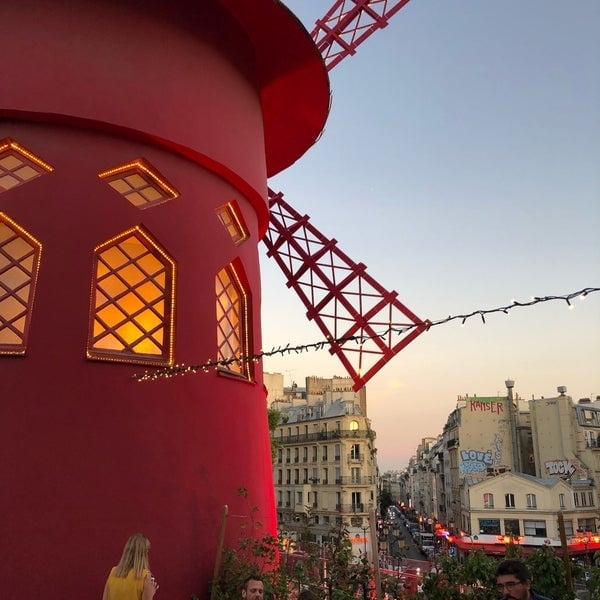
point(479, 461)
point(491, 405)
point(562, 467)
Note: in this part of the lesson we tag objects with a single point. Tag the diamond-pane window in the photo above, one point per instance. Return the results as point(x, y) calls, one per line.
point(232, 321)
point(231, 218)
point(132, 301)
point(139, 183)
point(20, 255)
point(18, 165)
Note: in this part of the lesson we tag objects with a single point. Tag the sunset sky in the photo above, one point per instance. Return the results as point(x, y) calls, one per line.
point(461, 164)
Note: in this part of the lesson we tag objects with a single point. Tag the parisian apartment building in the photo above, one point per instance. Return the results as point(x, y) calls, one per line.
point(505, 469)
point(325, 471)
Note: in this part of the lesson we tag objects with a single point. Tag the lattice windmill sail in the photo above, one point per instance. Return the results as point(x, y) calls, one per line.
point(365, 324)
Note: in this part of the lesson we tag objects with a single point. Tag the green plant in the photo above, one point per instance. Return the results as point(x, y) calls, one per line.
point(548, 574)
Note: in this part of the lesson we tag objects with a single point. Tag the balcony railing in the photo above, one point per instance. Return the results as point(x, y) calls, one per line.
point(349, 480)
point(326, 436)
point(351, 508)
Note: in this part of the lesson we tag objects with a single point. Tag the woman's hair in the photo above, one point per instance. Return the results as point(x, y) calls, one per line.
point(135, 556)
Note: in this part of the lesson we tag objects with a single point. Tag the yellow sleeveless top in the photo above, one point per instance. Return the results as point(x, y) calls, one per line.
point(125, 588)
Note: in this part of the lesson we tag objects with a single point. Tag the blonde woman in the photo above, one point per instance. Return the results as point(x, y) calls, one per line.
point(131, 578)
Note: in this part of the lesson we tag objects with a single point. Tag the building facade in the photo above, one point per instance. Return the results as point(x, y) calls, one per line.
point(509, 469)
point(325, 472)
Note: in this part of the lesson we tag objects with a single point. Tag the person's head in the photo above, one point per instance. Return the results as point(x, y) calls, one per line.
point(253, 588)
point(135, 556)
point(307, 595)
point(513, 580)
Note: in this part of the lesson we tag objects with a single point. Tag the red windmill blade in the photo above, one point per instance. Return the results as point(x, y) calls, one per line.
point(348, 23)
point(365, 324)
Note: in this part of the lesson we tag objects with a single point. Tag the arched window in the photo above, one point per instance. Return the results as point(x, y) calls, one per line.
point(233, 331)
point(18, 165)
point(133, 291)
point(20, 255)
point(139, 183)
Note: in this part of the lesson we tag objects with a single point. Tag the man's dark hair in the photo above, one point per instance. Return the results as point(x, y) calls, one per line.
point(516, 567)
point(252, 578)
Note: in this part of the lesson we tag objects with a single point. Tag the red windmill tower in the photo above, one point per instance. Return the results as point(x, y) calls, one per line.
point(135, 146)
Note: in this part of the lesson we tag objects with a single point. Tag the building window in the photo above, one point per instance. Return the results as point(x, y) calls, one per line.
point(233, 310)
point(280, 455)
point(296, 476)
point(583, 498)
point(568, 528)
point(561, 500)
point(296, 455)
point(324, 453)
point(531, 501)
point(591, 501)
point(304, 476)
point(139, 183)
point(20, 255)
point(279, 476)
point(325, 475)
point(511, 527)
point(355, 475)
point(509, 500)
point(18, 165)
point(338, 452)
point(488, 501)
point(575, 498)
point(489, 526)
point(535, 528)
point(288, 476)
point(133, 291)
point(231, 218)
point(353, 425)
point(288, 455)
point(298, 498)
point(314, 454)
point(355, 452)
point(305, 454)
point(288, 498)
point(279, 498)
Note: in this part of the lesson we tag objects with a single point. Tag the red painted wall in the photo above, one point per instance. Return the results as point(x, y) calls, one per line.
point(90, 456)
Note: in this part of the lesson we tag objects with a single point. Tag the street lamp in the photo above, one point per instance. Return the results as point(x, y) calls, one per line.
point(585, 538)
point(365, 528)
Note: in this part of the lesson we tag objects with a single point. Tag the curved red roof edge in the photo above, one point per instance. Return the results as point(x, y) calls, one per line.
point(294, 85)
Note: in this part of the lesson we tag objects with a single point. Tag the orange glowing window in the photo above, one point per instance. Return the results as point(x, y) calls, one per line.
point(20, 255)
point(231, 218)
point(139, 183)
point(132, 301)
point(18, 165)
point(233, 339)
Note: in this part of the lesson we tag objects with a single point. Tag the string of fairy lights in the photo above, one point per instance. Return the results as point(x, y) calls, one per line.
point(183, 369)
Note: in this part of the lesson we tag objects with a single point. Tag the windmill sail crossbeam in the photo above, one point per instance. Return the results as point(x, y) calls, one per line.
point(366, 323)
point(348, 23)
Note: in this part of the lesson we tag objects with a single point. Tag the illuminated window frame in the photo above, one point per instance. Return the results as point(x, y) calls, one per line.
point(106, 328)
point(27, 266)
point(232, 303)
point(30, 166)
point(125, 180)
point(231, 218)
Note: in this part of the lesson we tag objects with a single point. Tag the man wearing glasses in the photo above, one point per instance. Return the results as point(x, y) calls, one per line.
point(513, 581)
